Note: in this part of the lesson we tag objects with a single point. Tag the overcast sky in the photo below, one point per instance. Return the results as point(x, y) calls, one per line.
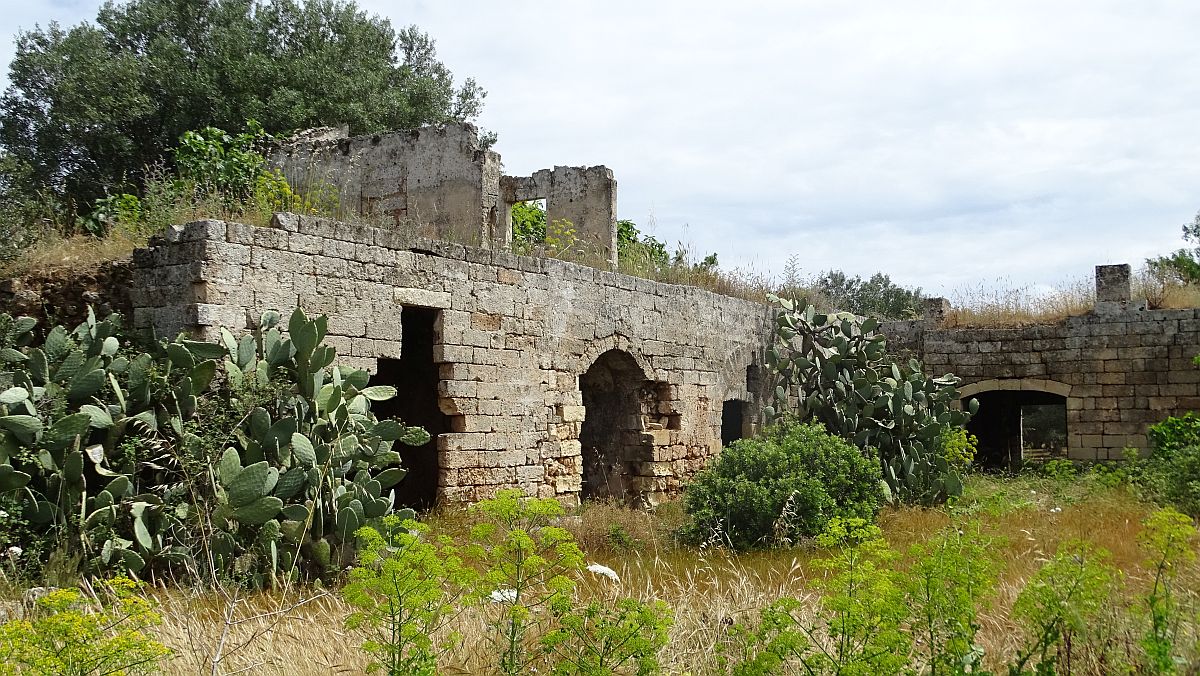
point(945, 143)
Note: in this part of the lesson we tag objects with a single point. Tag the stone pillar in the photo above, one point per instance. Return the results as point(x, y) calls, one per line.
point(1112, 283)
point(935, 310)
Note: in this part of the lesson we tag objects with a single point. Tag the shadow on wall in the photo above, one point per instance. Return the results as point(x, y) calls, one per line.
point(611, 436)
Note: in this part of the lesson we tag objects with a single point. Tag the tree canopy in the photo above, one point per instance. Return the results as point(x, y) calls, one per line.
point(878, 296)
point(89, 107)
point(1183, 264)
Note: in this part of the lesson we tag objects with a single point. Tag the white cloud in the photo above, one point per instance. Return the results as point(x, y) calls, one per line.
point(941, 142)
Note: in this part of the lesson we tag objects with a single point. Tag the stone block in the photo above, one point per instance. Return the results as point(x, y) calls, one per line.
point(422, 298)
point(458, 388)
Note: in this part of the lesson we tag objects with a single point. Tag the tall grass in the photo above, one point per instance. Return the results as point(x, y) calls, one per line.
point(301, 631)
point(1003, 305)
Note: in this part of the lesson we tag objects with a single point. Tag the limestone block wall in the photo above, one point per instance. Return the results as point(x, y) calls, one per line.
point(1119, 370)
point(436, 177)
point(561, 379)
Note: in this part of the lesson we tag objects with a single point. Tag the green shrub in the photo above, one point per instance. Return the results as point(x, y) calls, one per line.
point(958, 447)
point(1172, 472)
point(782, 486)
point(1059, 470)
point(73, 635)
point(1175, 434)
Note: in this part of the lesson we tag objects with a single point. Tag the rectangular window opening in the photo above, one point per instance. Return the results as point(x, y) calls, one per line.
point(415, 377)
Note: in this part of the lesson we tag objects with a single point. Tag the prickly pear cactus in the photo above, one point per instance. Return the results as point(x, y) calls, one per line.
point(834, 368)
point(313, 461)
point(256, 455)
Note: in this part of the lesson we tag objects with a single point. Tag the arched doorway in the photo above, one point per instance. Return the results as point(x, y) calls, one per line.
point(611, 435)
point(1017, 423)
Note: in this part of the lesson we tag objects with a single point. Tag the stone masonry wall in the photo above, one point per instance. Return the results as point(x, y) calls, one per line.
point(514, 338)
point(436, 177)
point(1120, 368)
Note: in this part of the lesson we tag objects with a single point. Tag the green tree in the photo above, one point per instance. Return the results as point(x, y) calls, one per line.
point(90, 107)
point(1183, 264)
point(528, 225)
point(878, 296)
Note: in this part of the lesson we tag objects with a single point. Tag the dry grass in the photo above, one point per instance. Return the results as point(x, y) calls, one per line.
point(55, 254)
point(302, 632)
point(1002, 306)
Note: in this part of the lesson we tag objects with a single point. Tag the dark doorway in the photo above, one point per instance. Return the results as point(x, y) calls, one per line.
point(1018, 426)
point(610, 437)
point(415, 377)
point(733, 421)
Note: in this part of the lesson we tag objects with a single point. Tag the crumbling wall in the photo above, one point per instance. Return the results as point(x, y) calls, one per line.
point(584, 196)
point(439, 180)
point(513, 336)
point(64, 296)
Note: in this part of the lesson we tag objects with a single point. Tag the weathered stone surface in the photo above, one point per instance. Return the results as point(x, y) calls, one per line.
point(512, 339)
point(63, 296)
point(1120, 368)
point(439, 178)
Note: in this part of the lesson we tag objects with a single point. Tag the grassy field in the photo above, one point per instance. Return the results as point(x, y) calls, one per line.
point(302, 632)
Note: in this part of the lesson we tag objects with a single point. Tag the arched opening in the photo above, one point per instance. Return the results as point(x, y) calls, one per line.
point(1018, 426)
point(611, 437)
point(415, 376)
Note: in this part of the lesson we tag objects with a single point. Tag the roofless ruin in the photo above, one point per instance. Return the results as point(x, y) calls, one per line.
point(570, 381)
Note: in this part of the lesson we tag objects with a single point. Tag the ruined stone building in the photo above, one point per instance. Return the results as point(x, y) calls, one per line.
point(442, 182)
point(574, 382)
point(562, 379)
point(1097, 380)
